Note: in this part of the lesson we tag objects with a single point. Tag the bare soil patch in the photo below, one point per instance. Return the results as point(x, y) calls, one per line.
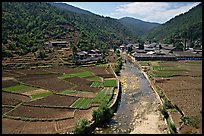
point(8, 83)
point(41, 112)
point(6, 109)
point(51, 83)
point(54, 101)
point(13, 99)
point(36, 91)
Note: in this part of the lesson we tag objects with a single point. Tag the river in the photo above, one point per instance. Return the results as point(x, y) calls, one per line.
point(137, 111)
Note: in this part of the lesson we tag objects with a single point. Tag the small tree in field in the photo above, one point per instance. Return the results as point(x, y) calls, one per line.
point(81, 126)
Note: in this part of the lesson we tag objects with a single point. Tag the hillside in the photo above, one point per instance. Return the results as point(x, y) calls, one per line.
point(136, 26)
point(27, 25)
point(187, 25)
point(70, 8)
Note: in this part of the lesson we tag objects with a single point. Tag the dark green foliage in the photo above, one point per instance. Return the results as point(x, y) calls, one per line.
point(30, 24)
point(117, 52)
point(192, 120)
point(164, 111)
point(187, 26)
point(118, 66)
point(6, 53)
point(41, 54)
point(81, 126)
point(102, 114)
point(171, 126)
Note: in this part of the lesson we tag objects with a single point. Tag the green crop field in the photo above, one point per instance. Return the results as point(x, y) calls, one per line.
point(81, 103)
point(194, 62)
point(109, 83)
point(173, 70)
point(18, 88)
point(80, 74)
point(107, 90)
point(104, 95)
point(96, 84)
point(162, 67)
point(38, 95)
point(99, 79)
point(162, 74)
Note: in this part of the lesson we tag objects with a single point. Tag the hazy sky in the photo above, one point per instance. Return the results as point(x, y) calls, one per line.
point(159, 12)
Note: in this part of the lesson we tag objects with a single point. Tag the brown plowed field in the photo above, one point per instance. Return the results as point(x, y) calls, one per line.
point(10, 74)
point(13, 99)
point(54, 101)
point(84, 94)
point(186, 93)
point(82, 84)
point(97, 70)
point(41, 112)
point(8, 83)
point(6, 109)
point(24, 127)
point(64, 69)
point(52, 83)
point(32, 71)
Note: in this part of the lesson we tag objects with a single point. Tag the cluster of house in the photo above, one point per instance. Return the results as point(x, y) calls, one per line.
point(79, 57)
point(87, 56)
point(155, 51)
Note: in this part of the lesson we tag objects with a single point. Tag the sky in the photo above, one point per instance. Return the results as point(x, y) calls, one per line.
point(159, 12)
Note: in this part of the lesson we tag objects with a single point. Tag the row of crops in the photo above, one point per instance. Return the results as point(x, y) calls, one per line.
point(81, 103)
point(167, 71)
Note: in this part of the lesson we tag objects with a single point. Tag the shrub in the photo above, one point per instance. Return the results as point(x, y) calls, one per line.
point(102, 114)
point(81, 126)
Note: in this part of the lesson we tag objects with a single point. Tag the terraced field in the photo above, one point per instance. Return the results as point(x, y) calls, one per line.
point(48, 99)
point(181, 83)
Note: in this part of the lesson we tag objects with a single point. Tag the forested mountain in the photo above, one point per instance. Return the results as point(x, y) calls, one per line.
point(187, 26)
point(27, 25)
point(70, 8)
point(136, 26)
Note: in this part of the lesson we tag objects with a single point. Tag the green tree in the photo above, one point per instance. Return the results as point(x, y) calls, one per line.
point(102, 114)
point(81, 126)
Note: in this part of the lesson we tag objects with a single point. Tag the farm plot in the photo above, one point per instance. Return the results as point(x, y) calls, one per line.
point(81, 84)
point(32, 71)
point(10, 126)
point(9, 83)
point(18, 88)
point(53, 101)
point(6, 109)
point(40, 113)
point(80, 74)
point(99, 79)
point(81, 103)
point(51, 83)
point(185, 91)
point(109, 83)
point(13, 98)
point(38, 93)
point(107, 90)
point(97, 84)
point(104, 95)
point(103, 72)
point(85, 94)
point(64, 69)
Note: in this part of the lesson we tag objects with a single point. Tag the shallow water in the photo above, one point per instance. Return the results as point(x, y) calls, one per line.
point(121, 123)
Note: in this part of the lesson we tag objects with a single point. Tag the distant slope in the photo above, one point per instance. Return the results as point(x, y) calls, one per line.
point(136, 26)
point(70, 8)
point(189, 23)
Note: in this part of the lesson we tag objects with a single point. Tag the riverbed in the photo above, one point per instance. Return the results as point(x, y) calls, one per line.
point(137, 111)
